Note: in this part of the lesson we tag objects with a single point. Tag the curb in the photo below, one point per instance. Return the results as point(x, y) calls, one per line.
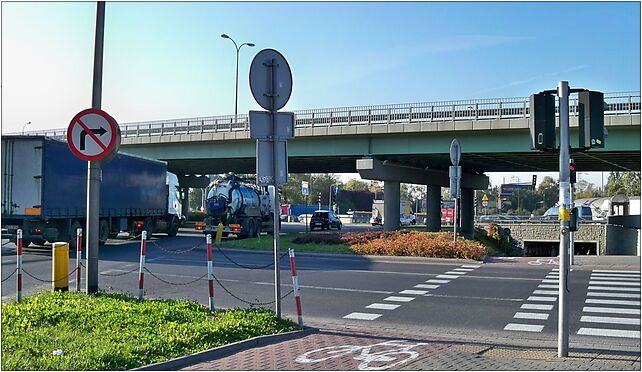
point(223, 351)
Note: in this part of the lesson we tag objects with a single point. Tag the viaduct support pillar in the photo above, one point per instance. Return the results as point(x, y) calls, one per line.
point(467, 212)
point(185, 201)
point(391, 210)
point(433, 208)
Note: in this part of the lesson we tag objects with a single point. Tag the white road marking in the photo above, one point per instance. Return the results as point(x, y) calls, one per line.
point(542, 292)
point(536, 307)
point(608, 332)
point(617, 275)
point(537, 298)
point(455, 273)
point(362, 316)
point(470, 266)
point(552, 277)
point(610, 320)
point(600, 288)
point(550, 281)
point(437, 281)
point(462, 269)
point(448, 276)
point(595, 277)
point(382, 306)
point(523, 327)
point(413, 292)
point(617, 271)
point(612, 302)
point(556, 270)
point(608, 294)
point(610, 310)
point(428, 286)
point(399, 299)
point(554, 286)
point(539, 316)
point(614, 283)
point(475, 298)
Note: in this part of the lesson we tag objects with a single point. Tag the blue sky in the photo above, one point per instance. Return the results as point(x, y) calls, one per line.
point(166, 59)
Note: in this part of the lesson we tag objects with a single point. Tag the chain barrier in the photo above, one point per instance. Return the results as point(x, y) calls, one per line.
point(10, 275)
point(177, 251)
point(170, 283)
point(48, 281)
point(249, 302)
point(121, 274)
point(248, 267)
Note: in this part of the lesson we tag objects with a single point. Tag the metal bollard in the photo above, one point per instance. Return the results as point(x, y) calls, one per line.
point(78, 257)
point(141, 275)
point(295, 285)
point(19, 243)
point(210, 277)
point(60, 266)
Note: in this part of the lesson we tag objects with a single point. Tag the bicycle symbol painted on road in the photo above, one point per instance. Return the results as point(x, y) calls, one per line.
point(389, 354)
point(544, 261)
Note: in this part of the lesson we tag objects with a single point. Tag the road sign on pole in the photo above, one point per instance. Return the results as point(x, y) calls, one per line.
point(305, 190)
point(93, 135)
point(455, 179)
point(271, 86)
point(455, 152)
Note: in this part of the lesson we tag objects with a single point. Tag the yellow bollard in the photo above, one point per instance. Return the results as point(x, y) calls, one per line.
point(60, 266)
point(219, 233)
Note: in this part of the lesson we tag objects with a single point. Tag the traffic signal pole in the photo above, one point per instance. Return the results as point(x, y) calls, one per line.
point(564, 218)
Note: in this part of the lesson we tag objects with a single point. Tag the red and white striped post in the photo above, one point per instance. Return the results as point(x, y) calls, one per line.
point(295, 285)
point(141, 275)
point(78, 257)
point(210, 277)
point(19, 260)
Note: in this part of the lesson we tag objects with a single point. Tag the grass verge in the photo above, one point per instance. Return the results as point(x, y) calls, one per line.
point(266, 243)
point(115, 332)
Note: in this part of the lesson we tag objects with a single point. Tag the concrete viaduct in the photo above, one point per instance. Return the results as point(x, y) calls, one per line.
point(393, 143)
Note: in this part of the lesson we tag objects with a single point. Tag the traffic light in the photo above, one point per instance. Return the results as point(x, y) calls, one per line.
point(319, 198)
point(571, 168)
point(591, 119)
point(475, 201)
point(534, 181)
point(542, 121)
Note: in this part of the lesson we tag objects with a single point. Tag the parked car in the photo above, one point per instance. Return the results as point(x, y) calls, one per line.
point(325, 220)
point(552, 213)
point(407, 220)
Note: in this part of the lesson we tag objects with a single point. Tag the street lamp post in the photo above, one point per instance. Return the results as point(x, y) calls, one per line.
point(236, 97)
point(23, 127)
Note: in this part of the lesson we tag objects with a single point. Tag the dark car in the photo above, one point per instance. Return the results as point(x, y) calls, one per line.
point(325, 220)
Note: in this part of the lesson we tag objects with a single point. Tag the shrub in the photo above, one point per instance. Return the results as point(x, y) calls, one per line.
point(332, 238)
point(413, 243)
point(494, 231)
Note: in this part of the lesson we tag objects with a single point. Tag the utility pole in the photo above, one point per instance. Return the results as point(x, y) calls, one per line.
point(93, 167)
point(564, 217)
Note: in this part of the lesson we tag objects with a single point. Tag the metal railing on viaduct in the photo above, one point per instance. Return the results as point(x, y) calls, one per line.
point(619, 103)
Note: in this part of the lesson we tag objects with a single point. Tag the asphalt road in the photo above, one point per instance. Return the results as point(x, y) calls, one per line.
point(511, 298)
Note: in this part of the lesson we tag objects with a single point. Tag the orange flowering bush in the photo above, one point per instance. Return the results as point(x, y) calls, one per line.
point(414, 243)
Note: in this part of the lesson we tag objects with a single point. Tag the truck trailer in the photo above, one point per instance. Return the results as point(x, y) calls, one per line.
point(44, 193)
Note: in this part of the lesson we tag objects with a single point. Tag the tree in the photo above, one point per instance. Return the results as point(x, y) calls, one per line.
point(625, 183)
point(356, 185)
point(585, 189)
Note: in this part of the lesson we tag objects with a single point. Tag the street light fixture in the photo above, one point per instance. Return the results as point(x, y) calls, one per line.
point(23, 127)
point(236, 97)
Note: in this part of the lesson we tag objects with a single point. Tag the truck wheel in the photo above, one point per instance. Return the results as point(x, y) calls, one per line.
point(257, 223)
point(251, 231)
point(103, 231)
point(173, 227)
point(148, 225)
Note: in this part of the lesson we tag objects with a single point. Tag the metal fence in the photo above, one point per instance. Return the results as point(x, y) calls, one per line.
point(618, 103)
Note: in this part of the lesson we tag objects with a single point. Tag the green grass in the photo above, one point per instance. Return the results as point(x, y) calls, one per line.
point(266, 243)
point(115, 332)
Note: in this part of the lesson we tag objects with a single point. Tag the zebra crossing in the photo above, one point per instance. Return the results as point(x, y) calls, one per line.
point(542, 300)
point(421, 289)
point(612, 304)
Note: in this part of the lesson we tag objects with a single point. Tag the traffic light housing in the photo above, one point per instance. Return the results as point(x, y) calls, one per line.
point(572, 173)
point(534, 181)
point(542, 121)
point(319, 198)
point(591, 119)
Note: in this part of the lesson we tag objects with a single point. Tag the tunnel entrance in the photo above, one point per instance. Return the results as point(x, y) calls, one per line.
point(550, 248)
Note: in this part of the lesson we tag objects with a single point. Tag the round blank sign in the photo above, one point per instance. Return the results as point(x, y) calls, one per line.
point(270, 79)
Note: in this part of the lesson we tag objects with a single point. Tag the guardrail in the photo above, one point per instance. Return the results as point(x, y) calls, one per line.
point(482, 109)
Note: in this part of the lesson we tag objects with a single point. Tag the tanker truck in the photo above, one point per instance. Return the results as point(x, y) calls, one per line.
point(243, 208)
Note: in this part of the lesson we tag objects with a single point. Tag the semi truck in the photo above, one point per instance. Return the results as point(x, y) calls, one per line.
point(243, 208)
point(406, 217)
point(44, 193)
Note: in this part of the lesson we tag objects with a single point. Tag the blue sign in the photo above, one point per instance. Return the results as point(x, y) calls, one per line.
point(335, 189)
point(304, 188)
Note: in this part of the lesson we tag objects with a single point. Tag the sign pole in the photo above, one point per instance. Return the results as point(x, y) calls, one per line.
point(93, 167)
point(564, 218)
